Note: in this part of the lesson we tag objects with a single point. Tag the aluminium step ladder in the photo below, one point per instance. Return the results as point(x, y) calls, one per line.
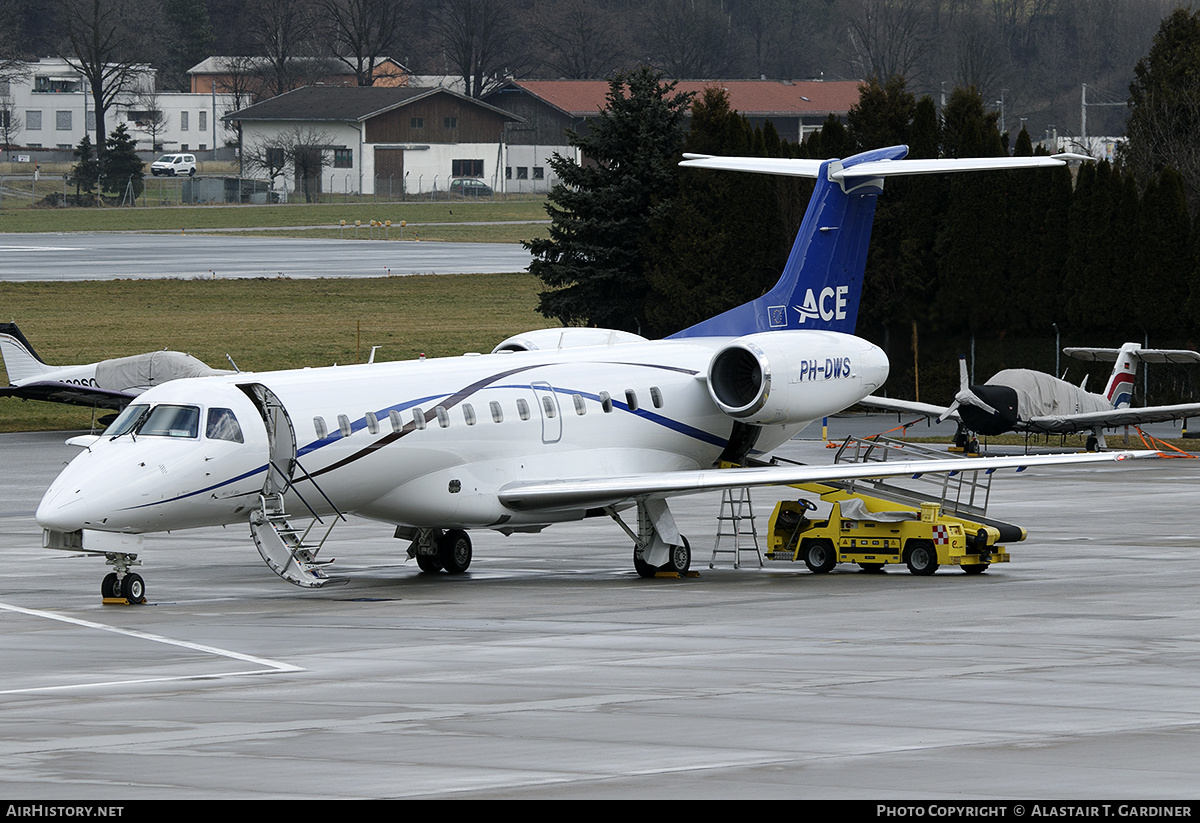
point(736, 509)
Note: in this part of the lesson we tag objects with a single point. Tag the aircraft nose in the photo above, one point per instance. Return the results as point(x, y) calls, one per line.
point(65, 507)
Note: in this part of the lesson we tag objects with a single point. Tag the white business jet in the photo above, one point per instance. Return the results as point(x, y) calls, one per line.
point(554, 425)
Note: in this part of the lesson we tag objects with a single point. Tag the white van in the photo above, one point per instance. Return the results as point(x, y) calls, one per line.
point(173, 165)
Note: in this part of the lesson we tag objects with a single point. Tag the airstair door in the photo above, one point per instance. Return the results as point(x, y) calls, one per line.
point(281, 436)
point(547, 403)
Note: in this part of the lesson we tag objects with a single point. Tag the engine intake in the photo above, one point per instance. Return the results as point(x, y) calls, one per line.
point(789, 377)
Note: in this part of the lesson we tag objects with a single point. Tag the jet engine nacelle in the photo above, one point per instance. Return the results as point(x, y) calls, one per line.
point(566, 338)
point(784, 377)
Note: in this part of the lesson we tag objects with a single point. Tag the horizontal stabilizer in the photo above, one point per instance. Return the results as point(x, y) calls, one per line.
point(1093, 355)
point(869, 169)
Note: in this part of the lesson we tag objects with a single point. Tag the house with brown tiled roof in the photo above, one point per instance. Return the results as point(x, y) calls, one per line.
point(549, 108)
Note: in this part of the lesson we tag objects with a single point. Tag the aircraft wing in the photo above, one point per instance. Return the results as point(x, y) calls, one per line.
point(558, 495)
point(55, 392)
point(907, 407)
point(1110, 418)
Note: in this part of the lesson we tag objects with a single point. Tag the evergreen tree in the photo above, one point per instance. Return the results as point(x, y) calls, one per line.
point(86, 172)
point(594, 260)
point(1164, 104)
point(715, 244)
point(1162, 257)
point(122, 166)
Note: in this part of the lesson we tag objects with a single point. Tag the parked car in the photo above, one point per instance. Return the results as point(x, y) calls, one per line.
point(173, 165)
point(470, 187)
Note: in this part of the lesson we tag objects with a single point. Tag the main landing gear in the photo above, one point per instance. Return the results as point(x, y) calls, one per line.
point(435, 550)
point(658, 547)
point(122, 585)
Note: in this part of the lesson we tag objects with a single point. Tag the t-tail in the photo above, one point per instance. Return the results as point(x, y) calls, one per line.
point(822, 281)
point(1119, 390)
point(20, 360)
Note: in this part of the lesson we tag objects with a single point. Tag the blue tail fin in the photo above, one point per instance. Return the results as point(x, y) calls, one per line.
point(822, 281)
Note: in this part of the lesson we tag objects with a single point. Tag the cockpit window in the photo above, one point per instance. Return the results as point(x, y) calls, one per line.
point(126, 420)
point(167, 420)
point(222, 425)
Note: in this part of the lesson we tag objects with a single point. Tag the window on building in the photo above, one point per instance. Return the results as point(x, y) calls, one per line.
point(539, 173)
point(343, 158)
point(275, 158)
point(202, 122)
point(466, 168)
point(62, 120)
point(183, 121)
point(450, 122)
point(416, 122)
point(33, 120)
point(508, 172)
point(522, 172)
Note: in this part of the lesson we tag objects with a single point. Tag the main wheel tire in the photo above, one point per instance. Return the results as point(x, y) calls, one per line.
point(133, 588)
point(454, 551)
point(680, 559)
point(922, 558)
point(820, 556)
point(429, 563)
point(110, 587)
point(643, 568)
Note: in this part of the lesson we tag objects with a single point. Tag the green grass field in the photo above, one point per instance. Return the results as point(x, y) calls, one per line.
point(499, 221)
point(262, 324)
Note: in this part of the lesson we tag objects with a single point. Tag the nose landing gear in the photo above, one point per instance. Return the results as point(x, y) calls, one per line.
point(122, 586)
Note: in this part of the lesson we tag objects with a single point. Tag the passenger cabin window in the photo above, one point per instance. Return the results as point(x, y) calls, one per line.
point(606, 402)
point(497, 412)
point(580, 408)
point(321, 429)
point(418, 418)
point(397, 423)
point(522, 408)
point(344, 425)
point(171, 421)
point(548, 406)
point(372, 423)
point(656, 397)
point(631, 399)
point(222, 425)
point(443, 416)
point(468, 414)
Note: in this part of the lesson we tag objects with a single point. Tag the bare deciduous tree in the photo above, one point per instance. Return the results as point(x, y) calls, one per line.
point(363, 31)
point(479, 39)
point(102, 42)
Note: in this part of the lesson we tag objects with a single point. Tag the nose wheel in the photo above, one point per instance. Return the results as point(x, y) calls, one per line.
point(122, 585)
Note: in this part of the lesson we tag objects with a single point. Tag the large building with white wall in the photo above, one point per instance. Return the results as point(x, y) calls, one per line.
point(49, 106)
point(371, 140)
